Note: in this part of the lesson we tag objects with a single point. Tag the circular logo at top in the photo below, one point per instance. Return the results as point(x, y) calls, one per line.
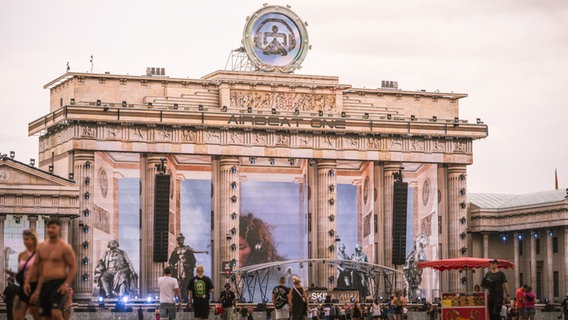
point(275, 39)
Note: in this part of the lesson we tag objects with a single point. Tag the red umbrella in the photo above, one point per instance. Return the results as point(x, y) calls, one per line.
point(463, 263)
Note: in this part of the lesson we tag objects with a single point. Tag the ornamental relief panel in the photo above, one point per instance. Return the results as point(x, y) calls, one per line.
point(189, 135)
point(351, 142)
point(101, 219)
point(111, 132)
point(438, 145)
point(282, 139)
point(304, 140)
point(164, 134)
point(88, 131)
point(236, 137)
point(284, 101)
point(328, 141)
point(395, 143)
point(259, 138)
point(213, 136)
point(139, 133)
point(417, 144)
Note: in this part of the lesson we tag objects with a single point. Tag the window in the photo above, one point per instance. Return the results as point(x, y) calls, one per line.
point(520, 247)
point(521, 278)
point(555, 287)
point(555, 245)
point(537, 245)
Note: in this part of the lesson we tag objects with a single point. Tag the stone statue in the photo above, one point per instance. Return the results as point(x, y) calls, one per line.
point(412, 274)
point(344, 276)
point(360, 278)
point(114, 273)
point(182, 261)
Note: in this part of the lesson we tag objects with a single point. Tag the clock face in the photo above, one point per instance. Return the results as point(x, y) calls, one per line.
point(275, 39)
point(426, 191)
point(103, 182)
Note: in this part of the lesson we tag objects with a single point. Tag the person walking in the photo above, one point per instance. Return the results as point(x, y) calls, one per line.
point(26, 259)
point(57, 265)
point(297, 300)
point(227, 298)
point(280, 300)
point(199, 292)
point(530, 299)
point(496, 283)
point(398, 303)
point(169, 291)
point(520, 299)
point(8, 296)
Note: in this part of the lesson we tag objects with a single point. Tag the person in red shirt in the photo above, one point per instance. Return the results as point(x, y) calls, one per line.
point(520, 297)
point(530, 299)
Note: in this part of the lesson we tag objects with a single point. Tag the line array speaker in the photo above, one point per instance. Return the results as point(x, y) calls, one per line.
point(161, 217)
point(400, 198)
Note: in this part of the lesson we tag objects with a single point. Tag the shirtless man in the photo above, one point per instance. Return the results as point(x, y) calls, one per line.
point(57, 266)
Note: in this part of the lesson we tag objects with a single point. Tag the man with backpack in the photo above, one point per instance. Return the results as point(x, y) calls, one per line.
point(280, 300)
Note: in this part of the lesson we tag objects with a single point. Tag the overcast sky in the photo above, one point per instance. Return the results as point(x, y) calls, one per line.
point(509, 56)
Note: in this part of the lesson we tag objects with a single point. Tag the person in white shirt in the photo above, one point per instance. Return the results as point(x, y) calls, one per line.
point(169, 291)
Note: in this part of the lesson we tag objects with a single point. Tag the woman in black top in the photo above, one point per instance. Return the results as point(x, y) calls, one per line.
point(297, 299)
point(356, 313)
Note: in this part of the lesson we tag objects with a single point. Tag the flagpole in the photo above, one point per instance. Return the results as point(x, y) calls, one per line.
point(555, 179)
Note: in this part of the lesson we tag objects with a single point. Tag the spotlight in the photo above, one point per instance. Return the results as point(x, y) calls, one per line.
point(331, 188)
point(18, 219)
point(87, 164)
point(331, 173)
point(233, 231)
point(343, 114)
point(462, 177)
point(412, 117)
point(176, 106)
point(550, 232)
point(320, 113)
point(389, 116)
point(150, 105)
point(234, 216)
point(85, 277)
point(291, 161)
point(32, 162)
point(124, 105)
point(331, 218)
point(462, 192)
point(233, 169)
point(331, 279)
point(87, 195)
point(86, 261)
point(463, 250)
point(434, 118)
point(233, 247)
point(535, 234)
point(463, 235)
point(87, 181)
point(102, 299)
point(279, 269)
point(72, 101)
point(463, 205)
point(85, 229)
point(366, 115)
point(233, 185)
point(463, 220)
point(224, 109)
point(296, 111)
point(301, 265)
point(71, 176)
point(503, 237)
point(331, 201)
point(86, 212)
point(252, 160)
point(234, 199)
point(200, 107)
point(456, 119)
point(234, 262)
point(98, 103)
point(331, 233)
point(85, 245)
point(478, 121)
point(271, 161)
point(50, 168)
point(273, 110)
point(249, 110)
point(12, 154)
point(463, 280)
point(331, 248)
point(149, 299)
point(229, 237)
point(311, 162)
point(520, 236)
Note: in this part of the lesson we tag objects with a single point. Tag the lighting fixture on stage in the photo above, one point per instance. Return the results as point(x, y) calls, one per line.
point(412, 117)
point(149, 299)
point(98, 103)
point(87, 181)
point(249, 109)
point(85, 229)
point(462, 191)
point(87, 195)
point(233, 231)
point(331, 188)
point(224, 109)
point(71, 176)
point(86, 212)
point(456, 119)
point(234, 169)
point(150, 105)
point(463, 220)
point(463, 235)
point(85, 277)
point(301, 265)
point(311, 162)
point(478, 121)
point(434, 118)
point(331, 279)
point(389, 116)
point(233, 247)
point(331, 218)
point(124, 104)
point(252, 160)
point(18, 219)
point(200, 107)
point(176, 106)
point(234, 262)
point(291, 161)
point(550, 232)
point(72, 101)
point(234, 216)
point(234, 199)
point(32, 162)
point(503, 237)
point(12, 154)
point(50, 168)
point(463, 280)
point(228, 237)
point(320, 113)
point(520, 236)
point(366, 115)
point(271, 161)
point(85, 245)
point(273, 110)
point(331, 233)
point(87, 164)
point(296, 111)
point(331, 248)
point(463, 250)
point(463, 205)
point(331, 201)
point(86, 261)
point(233, 185)
point(343, 114)
point(331, 172)
point(535, 234)
point(105, 108)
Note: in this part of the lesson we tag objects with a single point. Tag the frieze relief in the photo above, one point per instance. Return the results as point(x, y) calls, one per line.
point(88, 131)
point(417, 144)
point(139, 133)
point(101, 219)
point(111, 133)
point(259, 138)
point(213, 136)
point(283, 101)
point(283, 139)
point(304, 140)
point(438, 145)
point(351, 142)
point(328, 141)
point(189, 135)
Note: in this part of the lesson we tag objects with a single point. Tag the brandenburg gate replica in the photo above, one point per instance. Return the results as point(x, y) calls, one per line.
point(161, 163)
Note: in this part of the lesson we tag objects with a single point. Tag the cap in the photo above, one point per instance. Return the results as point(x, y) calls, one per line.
point(494, 261)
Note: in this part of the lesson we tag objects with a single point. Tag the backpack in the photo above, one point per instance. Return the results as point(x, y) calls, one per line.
point(529, 297)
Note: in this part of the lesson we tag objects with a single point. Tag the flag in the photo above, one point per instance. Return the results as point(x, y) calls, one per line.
point(555, 179)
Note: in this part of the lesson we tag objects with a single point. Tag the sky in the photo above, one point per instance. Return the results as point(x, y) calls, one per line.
point(509, 56)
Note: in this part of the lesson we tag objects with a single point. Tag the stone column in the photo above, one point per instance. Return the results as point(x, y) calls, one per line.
point(457, 214)
point(378, 208)
point(389, 169)
point(226, 194)
point(549, 278)
point(150, 271)
point(325, 219)
point(533, 261)
point(517, 281)
point(565, 248)
point(2, 256)
point(83, 167)
point(32, 222)
point(65, 229)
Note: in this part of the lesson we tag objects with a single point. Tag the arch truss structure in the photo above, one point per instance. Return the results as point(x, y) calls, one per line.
point(253, 284)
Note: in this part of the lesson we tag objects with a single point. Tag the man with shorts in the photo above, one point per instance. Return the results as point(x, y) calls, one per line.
point(199, 293)
point(169, 290)
point(57, 264)
point(280, 300)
